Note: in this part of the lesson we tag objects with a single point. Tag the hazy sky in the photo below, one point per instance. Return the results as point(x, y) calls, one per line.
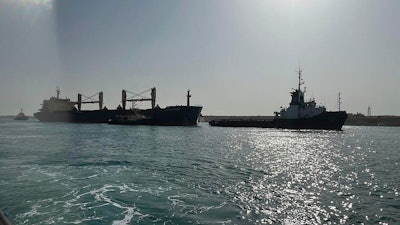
point(237, 57)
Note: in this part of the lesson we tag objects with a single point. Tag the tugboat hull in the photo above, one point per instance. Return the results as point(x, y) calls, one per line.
point(21, 118)
point(323, 121)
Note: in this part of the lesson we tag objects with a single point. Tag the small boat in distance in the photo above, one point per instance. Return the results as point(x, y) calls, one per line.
point(299, 115)
point(21, 116)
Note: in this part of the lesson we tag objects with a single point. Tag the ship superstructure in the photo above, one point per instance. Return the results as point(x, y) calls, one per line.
point(298, 108)
point(57, 104)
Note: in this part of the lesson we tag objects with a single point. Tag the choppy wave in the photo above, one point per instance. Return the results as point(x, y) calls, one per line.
point(95, 174)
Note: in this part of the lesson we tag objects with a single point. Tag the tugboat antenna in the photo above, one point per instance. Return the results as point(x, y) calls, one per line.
point(339, 101)
point(300, 70)
point(299, 93)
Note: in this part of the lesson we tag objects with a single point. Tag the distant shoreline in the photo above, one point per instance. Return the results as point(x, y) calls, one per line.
point(351, 120)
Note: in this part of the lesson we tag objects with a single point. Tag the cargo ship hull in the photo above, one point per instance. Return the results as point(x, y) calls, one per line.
point(169, 116)
point(172, 115)
point(83, 116)
point(323, 121)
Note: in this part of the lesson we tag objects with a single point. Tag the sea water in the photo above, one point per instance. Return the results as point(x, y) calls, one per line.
point(62, 173)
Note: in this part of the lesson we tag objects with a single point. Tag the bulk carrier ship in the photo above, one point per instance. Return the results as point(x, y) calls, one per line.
point(299, 115)
point(57, 109)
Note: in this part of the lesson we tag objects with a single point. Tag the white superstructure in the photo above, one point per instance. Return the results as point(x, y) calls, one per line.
point(58, 104)
point(298, 108)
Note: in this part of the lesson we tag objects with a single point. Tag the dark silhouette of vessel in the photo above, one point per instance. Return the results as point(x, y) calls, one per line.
point(169, 116)
point(21, 116)
point(56, 109)
point(299, 115)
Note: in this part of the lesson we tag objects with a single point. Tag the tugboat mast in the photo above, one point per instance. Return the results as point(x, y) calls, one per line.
point(300, 70)
point(299, 93)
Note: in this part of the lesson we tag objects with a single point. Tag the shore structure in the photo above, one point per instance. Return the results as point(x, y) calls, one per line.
point(300, 114)
point(57, 109)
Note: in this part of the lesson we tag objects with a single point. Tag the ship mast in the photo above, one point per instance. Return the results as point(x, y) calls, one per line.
point(80, 102)
point(299, 72)
point(299, 93)
point(152, 99)
point(188, 98)
point(58, 92)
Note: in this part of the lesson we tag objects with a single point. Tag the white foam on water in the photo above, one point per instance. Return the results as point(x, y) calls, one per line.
point(100, 195)
point(85, 200)
point(129, 214)
point(83, 220)
point(32, 212)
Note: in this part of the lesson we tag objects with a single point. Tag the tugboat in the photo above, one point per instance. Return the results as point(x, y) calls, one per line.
point(21, 116)
point(299, 115)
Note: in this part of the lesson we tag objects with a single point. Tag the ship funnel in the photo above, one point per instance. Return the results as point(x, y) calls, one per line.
point(153, 97)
